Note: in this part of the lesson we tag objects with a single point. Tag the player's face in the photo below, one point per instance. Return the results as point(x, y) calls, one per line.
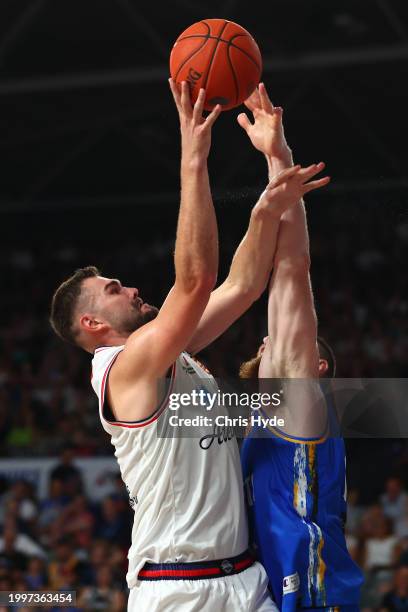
point(120, 306)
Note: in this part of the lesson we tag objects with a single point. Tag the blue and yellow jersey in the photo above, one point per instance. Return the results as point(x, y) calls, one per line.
point(295, 490)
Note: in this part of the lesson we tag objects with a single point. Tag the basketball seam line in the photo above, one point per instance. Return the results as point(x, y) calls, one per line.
point(206, 39)
point(243, 50)
point(227, 42)
point(234, 75)
point(208, 28)
point(213, 55)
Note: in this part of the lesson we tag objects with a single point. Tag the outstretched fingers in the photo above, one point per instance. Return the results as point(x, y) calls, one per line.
point(284, 176)
point(176, 94)
point(213, 116)
point(254, 101)
point(316, 184)
point(244, 121)
point(307, 173)
point(186, 99)
point(301, 176)
point(265, 100)
point(199, 107)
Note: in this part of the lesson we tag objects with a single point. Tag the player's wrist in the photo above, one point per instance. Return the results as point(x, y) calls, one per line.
point(282, 157)
point(264, 209)
point(194, 161)
point(277, 164)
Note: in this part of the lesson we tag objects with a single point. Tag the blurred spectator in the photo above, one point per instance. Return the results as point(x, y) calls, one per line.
point(78, 521)
point(67, 473)
point(51, 509)
point(99, 553)
point(380, 551)
point(104, 595)
point(354, 511)
point(13, 542)
point(113, 524)
point(62, 569)
point(10, 558)
point(396, 600)
point(19, 502)
point(395, 504)
point(36, 575)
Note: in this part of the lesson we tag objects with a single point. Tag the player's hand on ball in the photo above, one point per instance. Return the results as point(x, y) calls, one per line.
point(195, 128)
point(289, 186)
point(266, 132)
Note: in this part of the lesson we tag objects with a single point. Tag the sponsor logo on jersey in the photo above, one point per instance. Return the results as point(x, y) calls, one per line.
point(222, 434)
point(132, 498)
point(187, 367)
point(291, 583)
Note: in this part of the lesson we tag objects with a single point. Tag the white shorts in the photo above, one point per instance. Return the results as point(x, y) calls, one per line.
point(243, 592)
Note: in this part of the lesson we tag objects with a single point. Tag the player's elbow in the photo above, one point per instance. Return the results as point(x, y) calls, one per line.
point(251, 292)
point(200, 283)
point(298, 264)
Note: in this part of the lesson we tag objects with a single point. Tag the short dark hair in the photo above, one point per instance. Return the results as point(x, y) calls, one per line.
point(64, 302)
point(326, 352)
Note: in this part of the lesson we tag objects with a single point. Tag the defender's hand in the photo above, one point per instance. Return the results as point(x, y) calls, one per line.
point(195, 129)
point(266, 133)
point(289, 186)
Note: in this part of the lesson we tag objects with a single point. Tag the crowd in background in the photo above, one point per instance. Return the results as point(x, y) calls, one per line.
point(67, 541)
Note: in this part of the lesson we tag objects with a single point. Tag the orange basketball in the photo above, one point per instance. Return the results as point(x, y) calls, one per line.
point(220, 56)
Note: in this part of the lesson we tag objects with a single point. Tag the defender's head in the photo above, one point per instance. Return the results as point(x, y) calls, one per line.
point(89, 310)
point(327, 361)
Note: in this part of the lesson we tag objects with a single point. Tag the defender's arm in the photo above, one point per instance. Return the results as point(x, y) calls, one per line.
point(291, 347)
point(252, 262)
point(248, 276)
point(291, 350)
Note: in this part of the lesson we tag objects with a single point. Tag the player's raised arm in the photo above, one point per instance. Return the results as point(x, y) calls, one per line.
point(291, 348)
point(291, 314)
point(252, 262)
point(151, 349)
point(248, 276)
point(292, 325)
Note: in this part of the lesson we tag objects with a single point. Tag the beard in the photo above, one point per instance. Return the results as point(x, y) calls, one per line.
point(132, 320)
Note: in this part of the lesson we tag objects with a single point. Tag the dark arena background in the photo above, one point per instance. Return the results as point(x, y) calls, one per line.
point(89, 174)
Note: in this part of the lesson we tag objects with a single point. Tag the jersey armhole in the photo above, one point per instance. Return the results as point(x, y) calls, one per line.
point(142, 422)
point(279, 433)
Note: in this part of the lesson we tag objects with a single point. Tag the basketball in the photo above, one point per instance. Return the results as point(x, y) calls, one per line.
point(220, 56)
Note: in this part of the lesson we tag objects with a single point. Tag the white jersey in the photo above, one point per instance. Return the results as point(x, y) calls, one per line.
point(187, 496)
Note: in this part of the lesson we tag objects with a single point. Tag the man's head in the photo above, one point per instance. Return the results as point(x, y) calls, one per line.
point(327, 361)
point(89, 310)
point(393, 488)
